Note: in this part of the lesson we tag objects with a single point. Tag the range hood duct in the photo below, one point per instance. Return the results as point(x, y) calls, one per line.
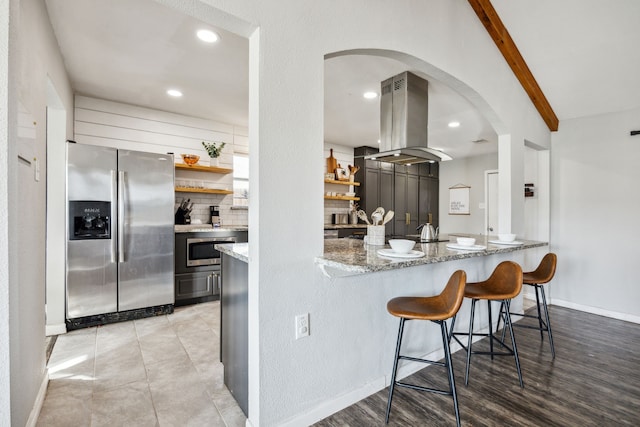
point(404, 111)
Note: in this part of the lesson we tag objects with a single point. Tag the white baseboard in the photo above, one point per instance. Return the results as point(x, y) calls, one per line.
point(37, 405)
point(56, 329)
point(595, 310)
point(332, 406)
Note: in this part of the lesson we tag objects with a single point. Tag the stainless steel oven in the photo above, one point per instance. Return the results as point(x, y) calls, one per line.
point(197, 264)
point(201, 250)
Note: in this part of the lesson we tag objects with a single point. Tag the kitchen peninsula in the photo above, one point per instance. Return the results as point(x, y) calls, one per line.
point(352, 306)
point(344, 257)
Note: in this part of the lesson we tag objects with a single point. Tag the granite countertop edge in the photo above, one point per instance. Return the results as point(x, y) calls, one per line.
point(353, 257)
point(207, 228)
point(236, 250)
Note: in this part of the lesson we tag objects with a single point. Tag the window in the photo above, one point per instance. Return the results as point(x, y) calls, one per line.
point(240, 180)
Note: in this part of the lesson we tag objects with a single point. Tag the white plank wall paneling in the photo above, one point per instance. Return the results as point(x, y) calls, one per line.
point(111, 124)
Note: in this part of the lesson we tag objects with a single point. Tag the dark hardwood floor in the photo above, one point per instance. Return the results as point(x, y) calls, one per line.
point(593, 381)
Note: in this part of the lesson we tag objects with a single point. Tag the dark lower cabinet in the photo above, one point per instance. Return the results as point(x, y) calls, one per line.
point(197, 285)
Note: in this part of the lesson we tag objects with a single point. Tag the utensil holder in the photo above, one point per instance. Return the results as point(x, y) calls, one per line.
point(375, 235)
point(353, 216)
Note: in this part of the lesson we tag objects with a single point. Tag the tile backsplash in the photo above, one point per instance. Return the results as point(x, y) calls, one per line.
point(201, 205)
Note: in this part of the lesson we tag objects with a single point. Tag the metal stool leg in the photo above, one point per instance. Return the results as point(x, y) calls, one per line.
point(539, 315)
point(395, 369)
point(449, 364)
point(453, 324)
point(513, 340)
point(500, 318)
point(546, 313)
point(490, 329)
point(504, 327)
point(473, 309)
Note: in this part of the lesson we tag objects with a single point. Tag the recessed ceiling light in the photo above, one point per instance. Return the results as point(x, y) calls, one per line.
point(454, 124)
point(207, 36)
point(370, 95)
point(174, 92)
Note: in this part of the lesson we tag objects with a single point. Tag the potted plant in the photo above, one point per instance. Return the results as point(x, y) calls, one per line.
point(213, 151)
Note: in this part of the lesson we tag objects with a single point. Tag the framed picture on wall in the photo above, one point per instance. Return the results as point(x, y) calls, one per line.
point(459, 199)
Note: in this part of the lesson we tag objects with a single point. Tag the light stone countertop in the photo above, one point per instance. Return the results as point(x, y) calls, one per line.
point(199, 228)
point(344, 226)
point(237, 250)
point(351, 256)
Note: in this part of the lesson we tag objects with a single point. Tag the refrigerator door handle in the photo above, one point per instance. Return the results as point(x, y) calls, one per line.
point(114, 195)
point(121, 213)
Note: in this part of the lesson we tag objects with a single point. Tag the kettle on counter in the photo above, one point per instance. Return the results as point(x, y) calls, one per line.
point(428, 233)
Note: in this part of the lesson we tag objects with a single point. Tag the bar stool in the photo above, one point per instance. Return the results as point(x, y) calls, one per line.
point(504, 283)
point(438, 309)
point(537, 278)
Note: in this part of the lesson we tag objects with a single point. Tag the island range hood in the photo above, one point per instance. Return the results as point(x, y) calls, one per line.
point(404, 111)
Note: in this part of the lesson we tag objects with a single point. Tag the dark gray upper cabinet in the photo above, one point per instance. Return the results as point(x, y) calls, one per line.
point(429, 197)
point(410, 191)
point(406, 198)
point(429, 169)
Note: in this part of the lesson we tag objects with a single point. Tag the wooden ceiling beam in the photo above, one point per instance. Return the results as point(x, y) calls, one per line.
point(498, 32)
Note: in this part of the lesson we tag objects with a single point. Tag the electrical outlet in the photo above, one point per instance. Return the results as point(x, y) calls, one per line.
point(302, 325)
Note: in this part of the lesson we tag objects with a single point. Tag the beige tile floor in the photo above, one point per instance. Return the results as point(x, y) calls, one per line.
point(159, 371)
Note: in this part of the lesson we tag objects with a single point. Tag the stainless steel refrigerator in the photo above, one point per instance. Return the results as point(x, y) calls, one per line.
point(120, 234)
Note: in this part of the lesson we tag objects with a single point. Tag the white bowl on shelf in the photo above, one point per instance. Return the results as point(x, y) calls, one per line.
point(401, 246)
point(466, 241)
point(507, 237)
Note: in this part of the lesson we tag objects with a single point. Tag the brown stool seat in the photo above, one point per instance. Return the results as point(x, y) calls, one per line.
point(504, 284)
point(437, 309)
point(543, 273)
point(498, 286)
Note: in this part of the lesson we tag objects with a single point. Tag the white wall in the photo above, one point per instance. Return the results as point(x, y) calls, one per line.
point(34, 57)
point(56, 215)
point(536, 208)
point(5, 261)
point(594, 214)
point(444, 38)
point(468, 171)
point(117, 125)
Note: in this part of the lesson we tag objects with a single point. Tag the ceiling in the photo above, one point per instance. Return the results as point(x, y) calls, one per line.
point(132, 51)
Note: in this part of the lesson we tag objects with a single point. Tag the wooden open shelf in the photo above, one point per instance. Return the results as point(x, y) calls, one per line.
point(202, 190)
point(201, 168)
point(341, 198)
point(333, 181)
